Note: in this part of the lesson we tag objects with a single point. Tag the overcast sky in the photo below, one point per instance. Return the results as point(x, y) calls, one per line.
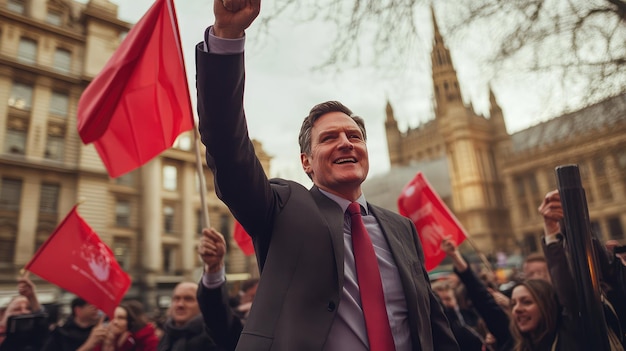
point(281, 86)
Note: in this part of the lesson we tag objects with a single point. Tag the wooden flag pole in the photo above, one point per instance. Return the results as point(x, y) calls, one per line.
point(200, 170)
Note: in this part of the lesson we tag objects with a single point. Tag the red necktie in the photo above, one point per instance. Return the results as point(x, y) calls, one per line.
point(370, 284)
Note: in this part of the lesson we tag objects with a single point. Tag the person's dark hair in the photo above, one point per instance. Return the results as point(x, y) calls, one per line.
point(77, 302)
point(318, 111)
point(548, 304)
point(135, 316)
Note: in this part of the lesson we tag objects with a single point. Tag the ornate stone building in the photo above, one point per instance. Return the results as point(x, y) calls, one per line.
point(497, 180)
point(49, 52)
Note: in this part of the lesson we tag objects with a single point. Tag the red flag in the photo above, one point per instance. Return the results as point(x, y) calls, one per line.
point(136, 107)
point(432, 218)
point(75, 259)
point(243, 239)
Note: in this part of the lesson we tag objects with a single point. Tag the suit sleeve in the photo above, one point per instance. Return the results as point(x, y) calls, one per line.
point(224, 327)
point(240, 180)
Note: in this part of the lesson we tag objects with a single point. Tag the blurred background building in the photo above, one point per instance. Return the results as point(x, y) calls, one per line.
point(494, 181)
point(49, 52)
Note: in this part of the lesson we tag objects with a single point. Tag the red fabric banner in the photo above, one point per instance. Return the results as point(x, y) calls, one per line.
point(139, 103)
point(433, 220)
point(244, 241)
point(75, 259)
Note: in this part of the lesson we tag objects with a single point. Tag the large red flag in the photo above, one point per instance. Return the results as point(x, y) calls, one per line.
point(139, 103)
point(244, 241)
point(432, 218)
point(75, 259)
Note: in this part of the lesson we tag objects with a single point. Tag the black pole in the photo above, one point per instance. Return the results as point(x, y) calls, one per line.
point(582, 260)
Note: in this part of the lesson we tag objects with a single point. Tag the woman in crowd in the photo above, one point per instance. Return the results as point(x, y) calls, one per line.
point(538, 322)
point(129, 330)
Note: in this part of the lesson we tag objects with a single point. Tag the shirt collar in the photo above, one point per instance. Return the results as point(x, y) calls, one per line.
point(345, 203)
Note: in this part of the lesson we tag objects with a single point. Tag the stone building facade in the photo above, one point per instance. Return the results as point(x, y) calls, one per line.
point(49, 52)
point(497, 179)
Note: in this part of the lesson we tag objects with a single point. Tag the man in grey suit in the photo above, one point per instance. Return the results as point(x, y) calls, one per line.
point(309, 297)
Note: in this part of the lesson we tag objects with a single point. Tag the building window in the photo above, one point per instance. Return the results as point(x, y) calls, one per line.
point(8, 234)
point(10, 194)
point(21, 96)
point(27, 51)
point(16, 6)
point(519, 187)
point(169, 260)
point(616, 231)
point(122, 252)
point(49, 199)
point(59, 104)
point(168, 219)
point(55, 147)
point(598, 166)
point(122, 214)
point(170, 179)
point(62, 60)
point(532, 183)
point(15, 141)
point(605, 190)
point(54, 18)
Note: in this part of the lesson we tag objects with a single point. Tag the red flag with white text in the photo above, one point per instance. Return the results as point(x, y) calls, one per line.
point(432, 218)
point(244, 241)
point(75, 259)
point(139, 103)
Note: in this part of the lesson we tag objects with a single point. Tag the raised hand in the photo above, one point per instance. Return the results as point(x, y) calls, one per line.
point(212, 248)
point(448, 246)
point(26, 288)
point(232, 17)
point(552, 212)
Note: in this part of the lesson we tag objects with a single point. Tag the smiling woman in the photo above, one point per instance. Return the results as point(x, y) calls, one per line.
point(535, 310)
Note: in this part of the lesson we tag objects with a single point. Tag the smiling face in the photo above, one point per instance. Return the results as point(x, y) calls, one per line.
point(119, 323)
point(526, 312)
point(338, 161)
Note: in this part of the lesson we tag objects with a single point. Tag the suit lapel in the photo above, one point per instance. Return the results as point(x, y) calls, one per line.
point(331, 213)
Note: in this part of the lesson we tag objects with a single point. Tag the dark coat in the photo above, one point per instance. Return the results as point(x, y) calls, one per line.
point(190, 337)
point(68, 337)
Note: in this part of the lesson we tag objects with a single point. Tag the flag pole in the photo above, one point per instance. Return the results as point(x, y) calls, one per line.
point(480, 254)
point(196, 140)
point(203, 193)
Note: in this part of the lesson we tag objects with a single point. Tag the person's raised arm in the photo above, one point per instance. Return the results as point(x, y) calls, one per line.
point(450, 248)
point(232, 17)
point(26, 288)
point(223, 325)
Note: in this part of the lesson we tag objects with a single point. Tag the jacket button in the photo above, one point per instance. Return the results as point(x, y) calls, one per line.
point(331, 306)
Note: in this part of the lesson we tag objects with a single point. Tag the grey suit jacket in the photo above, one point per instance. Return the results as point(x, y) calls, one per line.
point(297, 233)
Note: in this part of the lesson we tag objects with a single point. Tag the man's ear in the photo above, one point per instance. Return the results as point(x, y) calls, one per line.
point(306, 164)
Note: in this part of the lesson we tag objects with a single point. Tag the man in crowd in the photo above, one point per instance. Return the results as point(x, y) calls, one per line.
point(184, 330)
point(535, 266)
point(337, 273)
point(82, 331)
